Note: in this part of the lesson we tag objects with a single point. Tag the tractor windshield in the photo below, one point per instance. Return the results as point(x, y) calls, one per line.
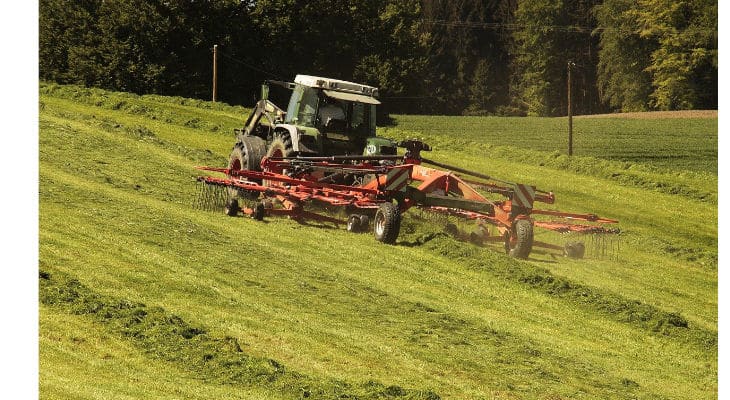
point(302, 106)
point(362, 119)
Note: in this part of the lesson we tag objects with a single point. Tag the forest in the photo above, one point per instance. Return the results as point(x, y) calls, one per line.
point(461, 57)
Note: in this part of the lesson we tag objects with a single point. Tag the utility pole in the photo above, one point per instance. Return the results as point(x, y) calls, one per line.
point(570, 110)
point(215, 71)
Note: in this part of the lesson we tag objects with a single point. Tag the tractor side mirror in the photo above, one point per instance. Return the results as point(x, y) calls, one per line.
point(264, 91)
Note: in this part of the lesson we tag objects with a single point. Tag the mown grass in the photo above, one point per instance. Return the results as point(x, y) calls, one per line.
point(83, 360)
point(336, 312)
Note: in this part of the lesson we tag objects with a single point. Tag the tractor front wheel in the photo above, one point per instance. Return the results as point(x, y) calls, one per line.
point(387, 223)
point(523, 239)
point(281, 145)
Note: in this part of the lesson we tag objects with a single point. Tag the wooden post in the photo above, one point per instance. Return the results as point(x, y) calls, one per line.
point(570, 110)
point(215, 72)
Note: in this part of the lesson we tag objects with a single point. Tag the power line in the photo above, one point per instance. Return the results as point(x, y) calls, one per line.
point(271, 74)
point(510, 26)
point(513, 26)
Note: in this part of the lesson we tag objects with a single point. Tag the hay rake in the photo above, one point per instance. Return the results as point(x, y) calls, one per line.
point(377, 190)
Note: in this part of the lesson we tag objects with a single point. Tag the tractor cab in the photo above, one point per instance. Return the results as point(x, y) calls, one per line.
point(338, 115)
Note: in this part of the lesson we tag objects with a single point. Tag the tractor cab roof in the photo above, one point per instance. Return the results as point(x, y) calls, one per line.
point(343, 90)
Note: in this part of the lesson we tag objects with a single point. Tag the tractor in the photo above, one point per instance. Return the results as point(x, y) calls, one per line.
point(325, 117)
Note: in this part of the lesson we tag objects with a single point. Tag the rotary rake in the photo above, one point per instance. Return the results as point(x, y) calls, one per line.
point(377, 190)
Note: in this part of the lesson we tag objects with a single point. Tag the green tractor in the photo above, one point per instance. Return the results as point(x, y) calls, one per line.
point(325, 117)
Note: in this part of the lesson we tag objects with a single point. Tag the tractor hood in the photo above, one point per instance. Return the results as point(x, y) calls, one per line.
point(351, 97)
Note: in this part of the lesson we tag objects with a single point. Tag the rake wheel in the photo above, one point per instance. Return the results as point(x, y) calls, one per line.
point(232, 208)
point(258, 212)
point(387, 223)
point(358, 223)
point(353, 223)
point(523, 239)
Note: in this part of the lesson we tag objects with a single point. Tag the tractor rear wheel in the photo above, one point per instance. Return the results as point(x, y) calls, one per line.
point(246, 156)
point(523, 239)
point(387, 223)
point(280, 146)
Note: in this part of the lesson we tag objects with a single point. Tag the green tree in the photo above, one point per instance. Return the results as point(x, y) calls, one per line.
point(67, 40)
point(548, 35)
point(684, 66)
point(396, 61)
point(658, 54)
point(623, 80)
point(539, 62)
point(467, 49)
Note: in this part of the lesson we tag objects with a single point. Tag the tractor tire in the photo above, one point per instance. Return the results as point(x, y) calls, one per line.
point(281, 145)
point(386, 225)
point(246, 156)
point(232, 207)
point(525, 236)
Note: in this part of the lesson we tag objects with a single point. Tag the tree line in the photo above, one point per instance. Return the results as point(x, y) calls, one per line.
point(488, 57)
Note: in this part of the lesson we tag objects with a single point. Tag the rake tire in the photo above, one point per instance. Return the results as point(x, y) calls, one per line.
point(353, 223)
point(575, 249)
point(258, 212)
point(386, 225)
point(524, 238)
point(358, 223)
point(364, 222)
point(232, 207)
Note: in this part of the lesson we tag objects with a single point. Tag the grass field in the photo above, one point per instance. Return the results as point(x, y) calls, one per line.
point(142, 296)
point(677, 144)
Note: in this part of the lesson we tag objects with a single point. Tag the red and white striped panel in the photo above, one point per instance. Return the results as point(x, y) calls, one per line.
point(397, 179)
point(524, 195)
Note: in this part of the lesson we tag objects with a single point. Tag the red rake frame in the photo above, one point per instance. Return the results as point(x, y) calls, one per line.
point(294, 181)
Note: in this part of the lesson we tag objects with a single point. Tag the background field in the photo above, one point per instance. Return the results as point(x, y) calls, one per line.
point(659, 139)
point(143, 296)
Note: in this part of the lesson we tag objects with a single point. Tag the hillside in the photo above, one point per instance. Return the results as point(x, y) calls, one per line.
point(143, 296)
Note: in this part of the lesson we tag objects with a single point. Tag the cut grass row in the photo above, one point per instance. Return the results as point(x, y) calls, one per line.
point(167, 337)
